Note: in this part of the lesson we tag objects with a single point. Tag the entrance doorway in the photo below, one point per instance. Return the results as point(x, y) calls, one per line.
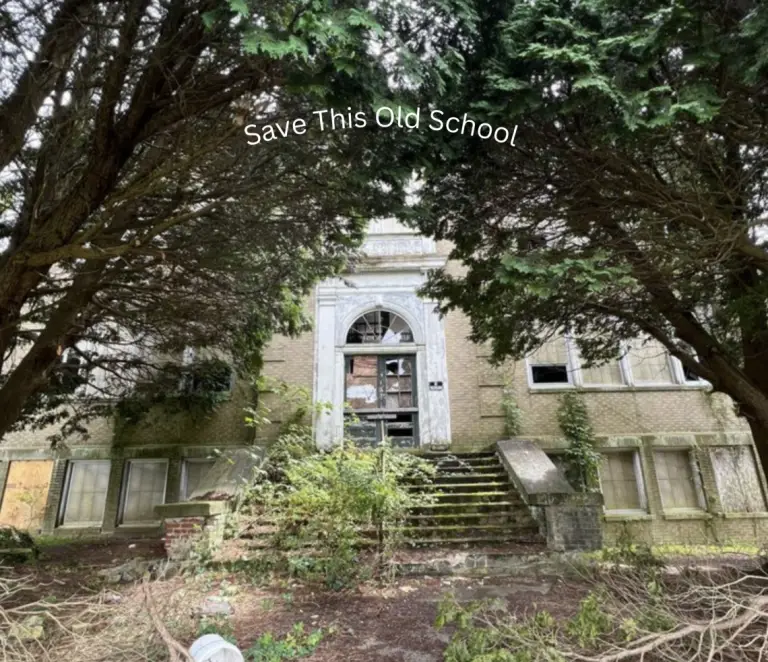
point(381, 399)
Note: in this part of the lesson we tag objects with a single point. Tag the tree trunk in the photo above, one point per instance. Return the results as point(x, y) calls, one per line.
point(760, 436)
point(33, 372)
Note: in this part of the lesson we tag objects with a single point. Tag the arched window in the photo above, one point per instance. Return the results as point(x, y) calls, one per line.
point(379, 327)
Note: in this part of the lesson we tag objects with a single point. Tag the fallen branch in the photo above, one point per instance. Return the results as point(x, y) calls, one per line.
point(177, 652)
point(647, 644)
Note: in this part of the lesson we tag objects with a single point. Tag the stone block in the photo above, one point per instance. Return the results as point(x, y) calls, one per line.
point(228, 475)
point(190, 509)
point(568, 519)
point(530, 468)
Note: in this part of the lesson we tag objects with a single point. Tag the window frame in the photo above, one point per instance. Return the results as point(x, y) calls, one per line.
point(679, 370)
point(183, 492)
point(574, 371)
point(65, 495)
point(635, 383)
point(642, 495)
point(698, 483)
point(124, 491)
point(569, 370)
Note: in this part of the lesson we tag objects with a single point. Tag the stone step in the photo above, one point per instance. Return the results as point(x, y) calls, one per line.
point(451, 469)
point(487, 496)
point(452, 459)
point(517, 538)
point(503, 518)
point(465, 478)
point(470, 507)
point(480, 486)
point(463, 530)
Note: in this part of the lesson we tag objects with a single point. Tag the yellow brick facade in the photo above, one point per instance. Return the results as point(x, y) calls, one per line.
point(630, 418)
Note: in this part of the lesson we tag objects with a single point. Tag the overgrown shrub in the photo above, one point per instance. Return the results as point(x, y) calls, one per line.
point(327, 506)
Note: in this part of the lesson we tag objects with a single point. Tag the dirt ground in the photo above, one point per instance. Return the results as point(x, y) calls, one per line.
point(394, 622)
point(372, 623)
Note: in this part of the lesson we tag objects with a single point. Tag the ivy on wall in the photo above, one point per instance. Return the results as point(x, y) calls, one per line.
point(582, 460)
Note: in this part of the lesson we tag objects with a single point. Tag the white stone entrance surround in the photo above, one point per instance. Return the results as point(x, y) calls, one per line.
point(389, 281)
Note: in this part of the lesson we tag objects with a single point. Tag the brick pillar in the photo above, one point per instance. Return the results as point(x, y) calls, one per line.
point(182, 533)
point(192, 528)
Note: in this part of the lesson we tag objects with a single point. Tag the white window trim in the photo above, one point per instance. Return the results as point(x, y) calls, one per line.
point(65, 499)
point(570, 371)
point(635, 383)
point(124, 491)
point(639, 480)
point(575, 374)
point(184, 464)
point(575, 356)
point(679, 372)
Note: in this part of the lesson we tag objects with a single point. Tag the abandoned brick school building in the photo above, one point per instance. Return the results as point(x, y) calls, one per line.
point(677, 465)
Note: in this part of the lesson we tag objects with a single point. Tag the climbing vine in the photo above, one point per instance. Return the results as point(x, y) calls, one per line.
point(582, 460)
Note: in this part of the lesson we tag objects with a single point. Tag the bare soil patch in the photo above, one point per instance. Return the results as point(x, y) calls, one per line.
point(373, 622)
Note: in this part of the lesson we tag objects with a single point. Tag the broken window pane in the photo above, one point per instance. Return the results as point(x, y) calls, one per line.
point(362, 382)
point(549, 363)
point(549, 374)
point(379, 327)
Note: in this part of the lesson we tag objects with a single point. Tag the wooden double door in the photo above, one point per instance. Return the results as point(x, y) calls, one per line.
point(381, 399)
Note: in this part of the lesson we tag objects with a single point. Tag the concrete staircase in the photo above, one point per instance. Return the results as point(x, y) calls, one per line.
point(474, 503)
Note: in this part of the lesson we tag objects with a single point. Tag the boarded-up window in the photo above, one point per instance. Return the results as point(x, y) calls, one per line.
point(26, 492)
point(144, 489)
point(194, 472)
point(618, 480)
point(86, 492)
point(649, 363)
point(549, 363)
point(737, 480)
point(677, 481)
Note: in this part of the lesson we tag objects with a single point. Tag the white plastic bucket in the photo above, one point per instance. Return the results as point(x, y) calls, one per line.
point(212, 648)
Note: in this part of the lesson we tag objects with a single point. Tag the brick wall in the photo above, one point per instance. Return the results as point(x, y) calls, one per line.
point(477, 418)
point(289, 360)
point(184, 537)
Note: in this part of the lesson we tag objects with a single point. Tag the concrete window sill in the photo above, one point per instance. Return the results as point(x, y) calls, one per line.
point(554, 388)
point(686, 515)
point(627, 516)
point(744, 515)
